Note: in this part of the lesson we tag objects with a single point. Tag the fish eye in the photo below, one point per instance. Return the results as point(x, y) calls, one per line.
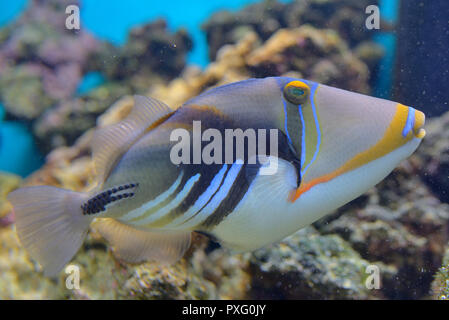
point(296, 92)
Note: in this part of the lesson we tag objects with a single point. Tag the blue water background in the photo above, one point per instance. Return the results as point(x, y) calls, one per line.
point(18, 151)
point(111, 20)
point(389, 10)
point(9, 10)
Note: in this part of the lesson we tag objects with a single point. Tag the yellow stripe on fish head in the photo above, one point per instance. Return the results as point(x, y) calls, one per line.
point(345, 130)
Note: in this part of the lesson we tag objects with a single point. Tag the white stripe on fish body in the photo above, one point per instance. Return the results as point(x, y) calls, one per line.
point(221, 194)
point(202, 199)
point(179, 198)
point(262, 218)
point(139, 212)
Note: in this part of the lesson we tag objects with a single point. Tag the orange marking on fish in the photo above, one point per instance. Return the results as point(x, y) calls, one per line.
point(158, 122)
point(391, 140)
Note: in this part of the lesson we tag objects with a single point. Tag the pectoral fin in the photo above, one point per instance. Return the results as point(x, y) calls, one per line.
point(135, 245)
point(254, 220)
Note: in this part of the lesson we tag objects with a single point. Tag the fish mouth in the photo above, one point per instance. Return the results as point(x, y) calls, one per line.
point(418, 124)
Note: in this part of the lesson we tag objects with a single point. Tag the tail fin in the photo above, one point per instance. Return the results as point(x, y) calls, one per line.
point(50, 224)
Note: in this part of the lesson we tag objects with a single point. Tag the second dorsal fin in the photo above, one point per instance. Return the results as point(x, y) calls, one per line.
point(111, 142)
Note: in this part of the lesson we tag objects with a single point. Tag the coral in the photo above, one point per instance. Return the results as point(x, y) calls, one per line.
point(42, 61)
point(369, 52)
point(8, 182)
point(230, 66)
point(440, 286)
point(319, 55)
point(347, 18)
point(19, 280)
point(309, 266)
point(150, 51)
point(61, 125)
point(22, 91)
point(103, 277)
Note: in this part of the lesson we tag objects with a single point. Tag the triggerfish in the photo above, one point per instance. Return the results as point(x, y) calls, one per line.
point(332, 146)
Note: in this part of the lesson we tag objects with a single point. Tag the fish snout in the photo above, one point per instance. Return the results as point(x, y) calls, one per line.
point(414, 122)
point(418, 124)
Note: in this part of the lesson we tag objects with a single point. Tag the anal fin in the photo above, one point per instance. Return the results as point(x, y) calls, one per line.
point(135, 245)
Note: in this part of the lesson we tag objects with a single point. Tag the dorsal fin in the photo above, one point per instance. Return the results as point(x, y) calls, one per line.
point(111, 142)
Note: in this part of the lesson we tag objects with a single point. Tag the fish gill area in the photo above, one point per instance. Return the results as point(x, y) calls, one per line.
point(401, 226)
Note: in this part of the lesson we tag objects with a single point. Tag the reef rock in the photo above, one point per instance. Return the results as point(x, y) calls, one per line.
point(150, 51)
point(22, 91)
point(319, 55)
point(41, 62)
point(308, 265)
point(315, 54)
point(346, 17)
point(8, 182)
point(103, 277)
point(440, 286)
point(64, 123)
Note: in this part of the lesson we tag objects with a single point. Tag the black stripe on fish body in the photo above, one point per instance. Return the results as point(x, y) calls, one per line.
point(212, 196)
point(239, 187)
point(98, 203)
point(171, 197)
point(288, 153)
point(294, 126)
point(207, 174)
point(243, 181)
point(209, 119)
point(238, 190)
point(216, 191)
